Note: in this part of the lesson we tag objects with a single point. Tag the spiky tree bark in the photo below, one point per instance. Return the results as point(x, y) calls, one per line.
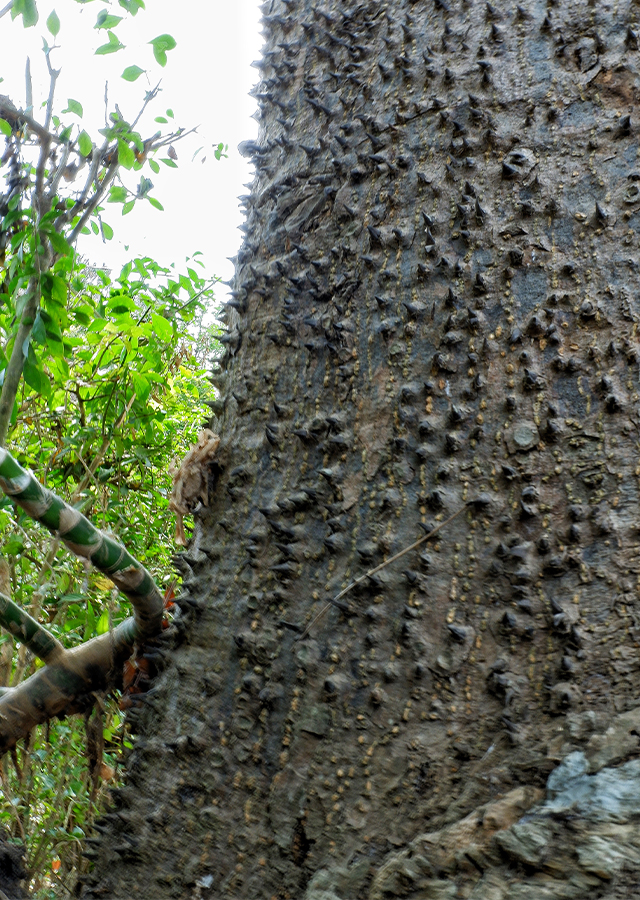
point(436, 303)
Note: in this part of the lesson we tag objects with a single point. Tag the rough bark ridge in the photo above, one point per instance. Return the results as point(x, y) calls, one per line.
point(436, 302)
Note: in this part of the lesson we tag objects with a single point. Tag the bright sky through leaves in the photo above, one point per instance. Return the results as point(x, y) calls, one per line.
point(205, 82)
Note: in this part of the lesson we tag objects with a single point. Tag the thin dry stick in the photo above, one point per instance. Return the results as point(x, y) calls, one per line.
point(335, 601)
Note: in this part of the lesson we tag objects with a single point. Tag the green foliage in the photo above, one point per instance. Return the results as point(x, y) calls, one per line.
point(27, 9)
point(74, 107)
point(132, 73)
point(112, 392)
point(161, 45)
point(48, 801)
point(53, 23)
point(120, 398)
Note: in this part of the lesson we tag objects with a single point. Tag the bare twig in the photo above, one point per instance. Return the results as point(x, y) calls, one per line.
point(13, 372)
point(97, 156)
point(149, 96)
point(6, 9)
point(28, 85)
point(57, 175)
point(53, 77)
point(107, 178)
point(335, 601)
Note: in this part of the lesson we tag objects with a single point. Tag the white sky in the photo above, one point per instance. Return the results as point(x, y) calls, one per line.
point(206, 83)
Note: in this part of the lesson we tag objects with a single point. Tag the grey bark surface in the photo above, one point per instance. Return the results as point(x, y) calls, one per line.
point(436, 302)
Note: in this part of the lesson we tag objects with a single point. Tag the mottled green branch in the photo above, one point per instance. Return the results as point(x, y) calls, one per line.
point(88, 542)
point(24, 628)
point(66, 684)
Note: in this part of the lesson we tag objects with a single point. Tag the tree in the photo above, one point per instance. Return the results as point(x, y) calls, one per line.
point(434, 310)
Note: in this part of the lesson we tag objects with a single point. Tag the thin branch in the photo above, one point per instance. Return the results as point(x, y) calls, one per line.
point(53, 77)
point(335, 601)
point(6, 9)
point(57, 175)
point(91, 177)
point(173, 138)
point(104, 184)
point(28, 84)
point(13, 372)
point(149, 96)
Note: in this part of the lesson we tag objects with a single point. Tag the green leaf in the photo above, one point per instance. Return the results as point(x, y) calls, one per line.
point(132, 6)
point(126, 156)
point(58, 243)
point(170, 163)
point(5, 128)
point(154, 166)
point(74, 107)
point(161, 45)
point(85, 144)
point(54, 288)
point(162, 327)
point(132, 73)
point(105, 20)
point(27, 9)
point(14, 546)
point(121, 303)
point(38, 332)
point(170, 113)
point(53, 23)
point(161, 120)
point(128, 206)
point(156, 203)
point(141, 385)
point(35, 378)
point(81, 316)
point(102, 625)
point(107, 231)
point(117, 194)
point(112, 47)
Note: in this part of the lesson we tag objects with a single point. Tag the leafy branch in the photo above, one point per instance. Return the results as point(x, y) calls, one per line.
point(50, 228)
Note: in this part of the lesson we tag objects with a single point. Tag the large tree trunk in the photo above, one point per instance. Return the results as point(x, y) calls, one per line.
point(436, 303)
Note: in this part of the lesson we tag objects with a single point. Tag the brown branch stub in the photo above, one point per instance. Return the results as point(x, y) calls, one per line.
point(190, 481)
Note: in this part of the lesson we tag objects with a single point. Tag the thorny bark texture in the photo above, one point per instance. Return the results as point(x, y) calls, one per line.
point(436, 301)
